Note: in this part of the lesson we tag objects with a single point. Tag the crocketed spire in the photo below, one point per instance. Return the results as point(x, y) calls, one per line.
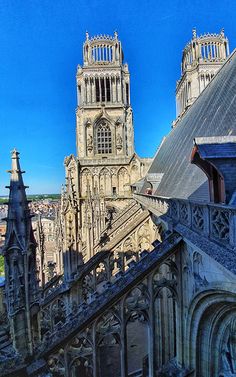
point(21, 284)
point(18, 219)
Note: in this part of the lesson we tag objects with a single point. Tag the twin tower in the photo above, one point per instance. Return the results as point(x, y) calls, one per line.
point(100, 177)
point(202, 58)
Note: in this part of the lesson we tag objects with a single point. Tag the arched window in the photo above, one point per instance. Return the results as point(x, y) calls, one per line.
point(104, 143)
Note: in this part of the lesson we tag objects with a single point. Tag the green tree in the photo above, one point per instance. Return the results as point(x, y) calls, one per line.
point(1, 265)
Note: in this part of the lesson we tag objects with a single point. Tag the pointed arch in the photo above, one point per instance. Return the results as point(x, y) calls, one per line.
point(103, 137)
point(165, 326)
point(108, 344)
point(123, 181)
point(105, 181)
point(137, 330)
point(86, 181)
point(211, 333)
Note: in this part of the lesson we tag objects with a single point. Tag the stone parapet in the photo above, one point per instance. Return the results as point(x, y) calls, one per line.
point(213, 221)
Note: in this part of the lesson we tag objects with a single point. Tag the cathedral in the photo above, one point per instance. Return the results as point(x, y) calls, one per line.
point(147, 280)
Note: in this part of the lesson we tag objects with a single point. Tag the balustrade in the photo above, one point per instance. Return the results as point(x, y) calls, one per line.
point(215, 221)
point(61, 317)
point(94, 279)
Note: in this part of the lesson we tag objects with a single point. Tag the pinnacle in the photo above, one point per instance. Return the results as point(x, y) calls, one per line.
point(18, 211)
point(15, 167)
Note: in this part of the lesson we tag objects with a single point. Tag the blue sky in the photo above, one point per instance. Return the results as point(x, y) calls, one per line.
point(40, 47)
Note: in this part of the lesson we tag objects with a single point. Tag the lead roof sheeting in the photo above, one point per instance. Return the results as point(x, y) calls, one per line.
point(212, 114)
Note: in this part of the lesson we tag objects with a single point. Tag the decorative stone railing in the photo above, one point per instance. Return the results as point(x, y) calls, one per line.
point(214, 221)
point(58, 285)
point(113, 287)
point(10, 362)
point(52, 284)
point(127, 214)
point(86, 312)
point(93, 278)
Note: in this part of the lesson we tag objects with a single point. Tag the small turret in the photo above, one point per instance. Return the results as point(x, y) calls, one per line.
point(21, 288)
point(205, 48)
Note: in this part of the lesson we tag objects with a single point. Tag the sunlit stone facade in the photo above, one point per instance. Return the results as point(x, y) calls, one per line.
point(202, 58)
point(135, 308)
point(107, 165)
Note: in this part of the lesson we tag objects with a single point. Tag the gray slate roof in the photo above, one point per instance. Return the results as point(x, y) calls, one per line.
point(212, 114)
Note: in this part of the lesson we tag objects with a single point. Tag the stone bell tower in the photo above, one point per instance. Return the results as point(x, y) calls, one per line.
point(104, 115)
point(202, 58)
point(100, 178)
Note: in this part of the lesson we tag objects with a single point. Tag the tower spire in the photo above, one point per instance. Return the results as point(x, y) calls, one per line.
point(21, 287)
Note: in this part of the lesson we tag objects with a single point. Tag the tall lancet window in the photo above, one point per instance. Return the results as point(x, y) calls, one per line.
point(104, 140)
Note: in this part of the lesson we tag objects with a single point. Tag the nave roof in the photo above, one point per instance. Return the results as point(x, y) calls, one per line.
point(212, 114)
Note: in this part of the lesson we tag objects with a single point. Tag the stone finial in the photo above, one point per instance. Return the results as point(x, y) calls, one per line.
point(194, 31)
point(87, 35)
point(222, 32)
point(14, 152)
point(15, 167)
point(115, 34)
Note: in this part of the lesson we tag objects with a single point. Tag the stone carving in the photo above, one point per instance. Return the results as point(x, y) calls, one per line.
point(119, 142)
point(220, 224)
point(184, 213)
point(129, 117)
point(108, 324)
point(90, 143)
point(55, 364)
point(81, 346)
point(198, 218)
point(118, 123)
point(113, 171)
point(137, 299)
point(95, 171)
point(174, 209)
